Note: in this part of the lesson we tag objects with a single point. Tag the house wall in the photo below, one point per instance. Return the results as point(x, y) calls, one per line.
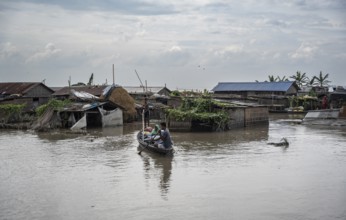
point(292, 91)
point(82, 123)
point(237, 118)
point(274, 101)
point(343, 111)
point(179, 125)
point(256, 115)
point(240, 117)
point(35, 97)
point(112, 118)
point(164, 91)
point(39, 91)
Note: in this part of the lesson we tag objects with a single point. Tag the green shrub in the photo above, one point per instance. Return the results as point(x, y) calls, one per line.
point(54, 104)
point(201, 109)
point(12, 110)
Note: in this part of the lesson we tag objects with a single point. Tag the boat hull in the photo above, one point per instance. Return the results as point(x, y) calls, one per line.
point(143, 145)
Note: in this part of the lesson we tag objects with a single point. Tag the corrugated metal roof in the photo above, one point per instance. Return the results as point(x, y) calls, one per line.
point(139, 89)
point(22, 88)
point(253, 86)
point(94, 90)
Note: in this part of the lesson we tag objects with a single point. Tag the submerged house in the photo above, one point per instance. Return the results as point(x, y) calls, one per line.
point(157, 98)
point(264, 89)
point(91, 115)
point(32, 94)
point(273, 94)
point(65, 92)
point(110, 106)
point(139, 92)
point(85, 111)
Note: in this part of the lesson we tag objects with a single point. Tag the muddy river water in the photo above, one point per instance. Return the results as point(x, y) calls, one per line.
point(224, 175)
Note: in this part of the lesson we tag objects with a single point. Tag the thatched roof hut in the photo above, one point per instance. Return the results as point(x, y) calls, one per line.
point(119, 96)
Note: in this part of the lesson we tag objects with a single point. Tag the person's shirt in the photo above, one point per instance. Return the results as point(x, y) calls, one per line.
point(166, 136)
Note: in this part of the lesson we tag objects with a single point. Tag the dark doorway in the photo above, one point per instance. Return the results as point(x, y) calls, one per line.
point(94, 119)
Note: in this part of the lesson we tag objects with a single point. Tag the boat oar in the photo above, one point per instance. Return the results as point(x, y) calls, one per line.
point(143, 148)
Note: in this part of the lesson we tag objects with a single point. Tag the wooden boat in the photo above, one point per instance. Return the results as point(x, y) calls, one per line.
point(147, 145)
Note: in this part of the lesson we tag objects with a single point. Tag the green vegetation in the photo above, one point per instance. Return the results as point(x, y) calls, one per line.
point(320, 80)
point(203, 110)
point(54, 104)
point(190, 93)
point(302, 102)
point(302, 79)
point(11, 111)
point(175, 93)
point(271, 78)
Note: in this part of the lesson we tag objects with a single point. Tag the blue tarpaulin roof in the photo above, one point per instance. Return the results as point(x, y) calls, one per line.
point(253, 86)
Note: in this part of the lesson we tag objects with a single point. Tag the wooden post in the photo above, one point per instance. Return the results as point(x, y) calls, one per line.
point(143, 125)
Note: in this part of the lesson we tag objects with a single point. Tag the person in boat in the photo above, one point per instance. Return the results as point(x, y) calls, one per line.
point(153, 134)
point(155, 131)
point(165, 141)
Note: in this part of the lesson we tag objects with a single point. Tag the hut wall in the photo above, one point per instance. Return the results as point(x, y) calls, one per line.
point(256, 115)
point(174, 125)
point(164, 91)
point(292, 91)
point(82, 123)
point(112, 118)
point(237, 118)
point(39, 91)
point(274, 101)
point(343, 111)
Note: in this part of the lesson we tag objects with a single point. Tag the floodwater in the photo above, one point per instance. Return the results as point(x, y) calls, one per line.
point(225, 175)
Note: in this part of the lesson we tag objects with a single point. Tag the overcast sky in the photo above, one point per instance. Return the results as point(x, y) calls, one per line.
point(180, 43)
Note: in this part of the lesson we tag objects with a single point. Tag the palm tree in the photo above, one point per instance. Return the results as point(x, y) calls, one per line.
point(279, 79)
point(321, 80)
point(272, 78)
point(276, 79)
point(300, 79)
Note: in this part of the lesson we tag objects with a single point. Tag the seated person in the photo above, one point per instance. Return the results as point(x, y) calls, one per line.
point(165, 141)
point(153, 135)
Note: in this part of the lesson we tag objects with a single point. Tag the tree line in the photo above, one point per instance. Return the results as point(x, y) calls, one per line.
point(302, 79)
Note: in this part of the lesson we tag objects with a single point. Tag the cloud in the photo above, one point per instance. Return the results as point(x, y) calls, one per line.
point(8, 50)
point(174, 56)
point(136, 7)
point(305, 51)
point(230, 51)
point(49, 51)
point(247, 37)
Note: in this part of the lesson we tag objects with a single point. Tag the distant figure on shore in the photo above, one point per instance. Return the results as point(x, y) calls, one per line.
point(146, 113)
point(324, 102)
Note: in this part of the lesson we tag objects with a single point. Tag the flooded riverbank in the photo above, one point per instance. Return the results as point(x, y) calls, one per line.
point(224, 175)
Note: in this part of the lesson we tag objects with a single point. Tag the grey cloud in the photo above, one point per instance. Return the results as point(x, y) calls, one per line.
point(321, 4)
point(126, 7)
point(217, 7)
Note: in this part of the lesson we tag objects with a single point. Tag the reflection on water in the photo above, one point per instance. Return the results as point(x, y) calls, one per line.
point(222, 175)
point(158, 167)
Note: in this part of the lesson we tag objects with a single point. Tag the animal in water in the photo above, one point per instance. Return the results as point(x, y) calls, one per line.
point(283, 143)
